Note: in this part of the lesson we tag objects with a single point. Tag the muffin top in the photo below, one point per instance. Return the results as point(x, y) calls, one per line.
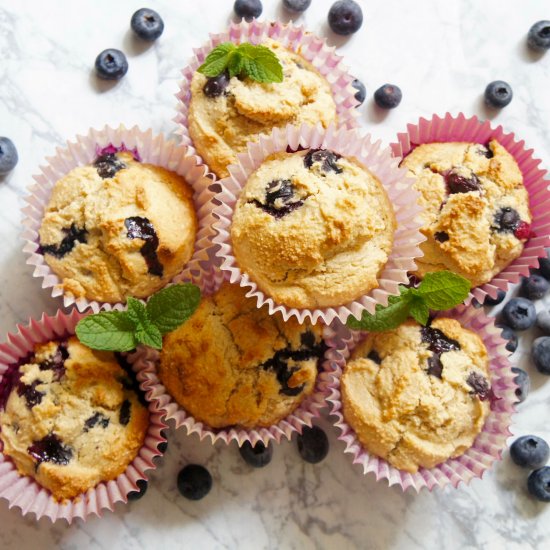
point(73, 418)
point(417, 396)
point(118, 228)
point(313, 229)
point(232, 363)
point(225, 116)
point(477, 210)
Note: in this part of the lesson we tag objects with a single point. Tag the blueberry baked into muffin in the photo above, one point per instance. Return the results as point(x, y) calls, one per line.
point(233, 364)
point(417, 396)
point(118, 228)
point(227, 113)
point(73, 418)
point(477, 216)
point(313, 228)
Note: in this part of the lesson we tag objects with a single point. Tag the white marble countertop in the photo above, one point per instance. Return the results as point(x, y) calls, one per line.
point(442, 55)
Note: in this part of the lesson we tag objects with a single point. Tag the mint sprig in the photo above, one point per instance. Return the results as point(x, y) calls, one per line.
point(245, 60)
point(140, 324)
point(438, 291)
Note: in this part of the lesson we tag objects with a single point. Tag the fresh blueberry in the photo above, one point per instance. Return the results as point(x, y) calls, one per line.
point(506, 220)
point(313, 444)
point(538, 36)
point(111, 64)
point(194, 481)
point(508, 334)
point(248, 9)
point(530, 451)
point(215, 86)
point(519, 314)
point(297, 6)
point(538, 484)
point(257, 456)
point(541, 354)
point(495, 301)
point(345, 17)
point(108, 165)
point(388, 96)
point(544, 267)
point(524, 384)
point(543, 321)
point(361, 92)
point(498, 94)
point(147, 24)
point(142, 489)
point(534, 287)
point(8, 156)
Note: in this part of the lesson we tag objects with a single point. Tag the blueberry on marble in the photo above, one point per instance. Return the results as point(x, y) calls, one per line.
point(480, 386)
point(8, 156)
point(313, 444)
point(361, 92)
point(72, 236)
point(388, 96)
point(258, 455)
point(141, 228)
point(489, 301)
point(498, 94)
point(248, 9)
point(216, 85)
point(524, 384)
point(327, 159)
point(541, 354)
point(296, 6)
point(147, 24)
point(534, 287)
point(108, 164)
point(50, 449)
point(194, 481)
point(543, 321)
point(530, 451)
point(538, 484)
point(458, 183)
point(519, 314)
point(538, 36)
point(509, 335)
point(111, 64)
point(141, 490)
point(345, 17)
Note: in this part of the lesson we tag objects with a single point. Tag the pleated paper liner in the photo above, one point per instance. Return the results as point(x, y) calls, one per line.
point(23, 491)
point(487, 447)
point(376, 159)
point(147, 148)
point(145, 361)
point(296, 38)
point(460, 128)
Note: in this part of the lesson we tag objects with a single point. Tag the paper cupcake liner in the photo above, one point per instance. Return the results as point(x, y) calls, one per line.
point(487, 447)
point(145, 360)
point(145, 147)
point(23, 491)
point(379, 161)
point(460, 128)
point(296, 38)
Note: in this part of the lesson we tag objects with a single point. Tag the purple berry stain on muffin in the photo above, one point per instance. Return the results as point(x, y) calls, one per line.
point(441, 236)
point(327, 159)
point(30, 393)
point(108, 165)
point(438, 343)
point(141, 228)
point(73, 235)
point(95, 420)
point(130, 381)
point(280, 199)
point(56, 362)
point(125, 412)
point(459, 183)
point(480, 386)
point(50, 449)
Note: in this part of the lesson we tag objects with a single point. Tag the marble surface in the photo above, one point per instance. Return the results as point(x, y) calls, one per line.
point(442, 54)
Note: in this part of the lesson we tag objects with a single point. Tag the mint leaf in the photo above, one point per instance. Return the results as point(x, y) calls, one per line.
point(419, 310)
point(385, 318)
point(235, 64)
point(107, 331)
point(260, 63)
point(217, 60)
point(172, 306)
point(136, 312)
point(149, 335)
point(443, 290)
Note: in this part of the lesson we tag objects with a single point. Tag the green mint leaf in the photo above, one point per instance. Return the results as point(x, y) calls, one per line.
point(443, 290)
point(235, 64)
point(419, 310)
point(217, 60)
point(172, 306)
point(107, 331)
point(137, 312)
point(149, 335)
point(385, 318)
point(260, 63)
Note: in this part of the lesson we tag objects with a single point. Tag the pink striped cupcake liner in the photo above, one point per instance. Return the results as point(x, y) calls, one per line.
point(296, 38)
point(460, 128)
point(376, 159)
point(145, 147)
point(24, 492)
point(487, 447)
point(145, 361)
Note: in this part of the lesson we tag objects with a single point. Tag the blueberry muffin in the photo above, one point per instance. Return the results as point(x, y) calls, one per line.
point(313, 229)
point(417, 396)
point(227, 113)
point(73, 418)
point(477, 216)
point(118, 228)
point(232, 364)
